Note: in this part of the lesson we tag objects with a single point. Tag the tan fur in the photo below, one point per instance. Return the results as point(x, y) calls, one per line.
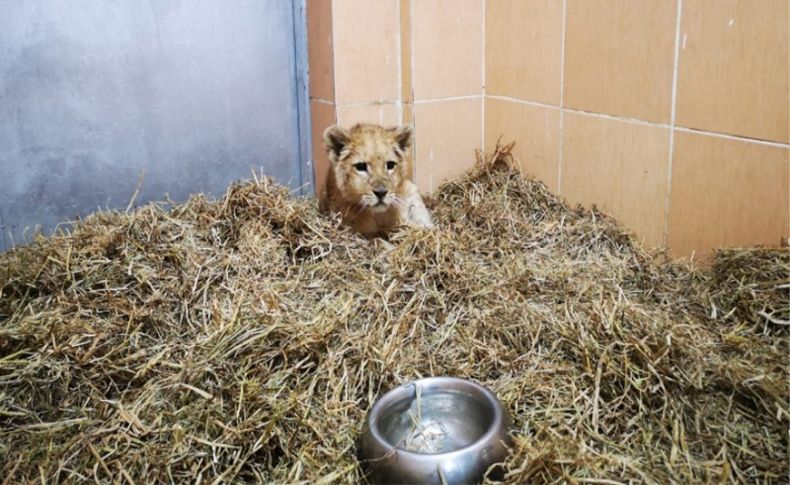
point(350, 191)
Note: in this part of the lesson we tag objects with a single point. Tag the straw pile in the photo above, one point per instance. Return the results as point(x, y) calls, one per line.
point(245, 339)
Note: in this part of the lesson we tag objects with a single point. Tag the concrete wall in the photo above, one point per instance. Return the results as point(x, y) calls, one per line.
point(92, 93)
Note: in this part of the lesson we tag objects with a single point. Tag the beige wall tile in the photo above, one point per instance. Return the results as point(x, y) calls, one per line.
point(524, 49)
point(446, 135)
point(405, 50)
point(408, 119)
point(323, 115)
point(319, 49)
point(536, 131)
point(382, 114)
point(621, 167)
point(727, 193)
point(408, 114)
point(733, 70)
point(447, 48)
point(619, 57)
point(366, 50)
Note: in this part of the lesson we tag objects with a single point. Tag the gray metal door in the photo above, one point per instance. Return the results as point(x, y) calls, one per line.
point(194, 93)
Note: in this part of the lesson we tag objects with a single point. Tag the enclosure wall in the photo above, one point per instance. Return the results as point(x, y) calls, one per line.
point(398, 61)
point(112, 104)
point(672, 115)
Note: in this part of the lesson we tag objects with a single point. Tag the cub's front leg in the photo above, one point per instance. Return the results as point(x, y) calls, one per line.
point(416, 214)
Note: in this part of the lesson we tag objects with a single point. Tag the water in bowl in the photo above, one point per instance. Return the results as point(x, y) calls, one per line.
point(436, 422)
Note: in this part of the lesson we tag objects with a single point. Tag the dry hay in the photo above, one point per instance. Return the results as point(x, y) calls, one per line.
point(245, 339)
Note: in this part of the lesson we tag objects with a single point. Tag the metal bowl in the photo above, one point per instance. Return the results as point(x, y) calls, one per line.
point(435, 430)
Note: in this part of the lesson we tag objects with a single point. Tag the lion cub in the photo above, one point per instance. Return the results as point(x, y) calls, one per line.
point(368, 180)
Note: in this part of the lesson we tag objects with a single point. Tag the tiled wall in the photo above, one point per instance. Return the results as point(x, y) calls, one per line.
point(672, 115)
point(397, 62)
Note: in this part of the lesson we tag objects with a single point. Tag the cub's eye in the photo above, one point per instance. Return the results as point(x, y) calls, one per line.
point(391, 165)
point(361, 166)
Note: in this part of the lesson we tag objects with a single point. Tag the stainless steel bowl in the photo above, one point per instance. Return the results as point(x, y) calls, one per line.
point(434, 430)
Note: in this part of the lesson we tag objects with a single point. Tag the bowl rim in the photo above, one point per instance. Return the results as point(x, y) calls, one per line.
point(395, 394)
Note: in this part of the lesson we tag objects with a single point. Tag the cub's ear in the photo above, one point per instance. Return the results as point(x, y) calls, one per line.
point(335, 140)
point(404, 136)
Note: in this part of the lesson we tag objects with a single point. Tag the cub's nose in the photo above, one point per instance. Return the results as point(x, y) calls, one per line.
point(380, 193)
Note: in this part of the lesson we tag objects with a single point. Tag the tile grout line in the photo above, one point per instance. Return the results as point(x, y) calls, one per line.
point(562, 95)
point(623, 119)
point(673, 108)
point(483, 85)
point(637, 121)
point(522, 101)
point(580, 111)
point(727, 136)
point(378, 102)
point(447, 98)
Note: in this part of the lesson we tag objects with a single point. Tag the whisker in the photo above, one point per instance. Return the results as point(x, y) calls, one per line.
point(360, 206)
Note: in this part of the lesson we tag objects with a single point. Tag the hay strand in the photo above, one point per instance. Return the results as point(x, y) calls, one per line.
point(245, 339)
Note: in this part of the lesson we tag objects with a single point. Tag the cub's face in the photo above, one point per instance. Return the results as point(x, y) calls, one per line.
point(369, 163)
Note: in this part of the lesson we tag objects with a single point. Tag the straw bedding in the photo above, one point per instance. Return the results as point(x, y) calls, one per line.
point(244, 340)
